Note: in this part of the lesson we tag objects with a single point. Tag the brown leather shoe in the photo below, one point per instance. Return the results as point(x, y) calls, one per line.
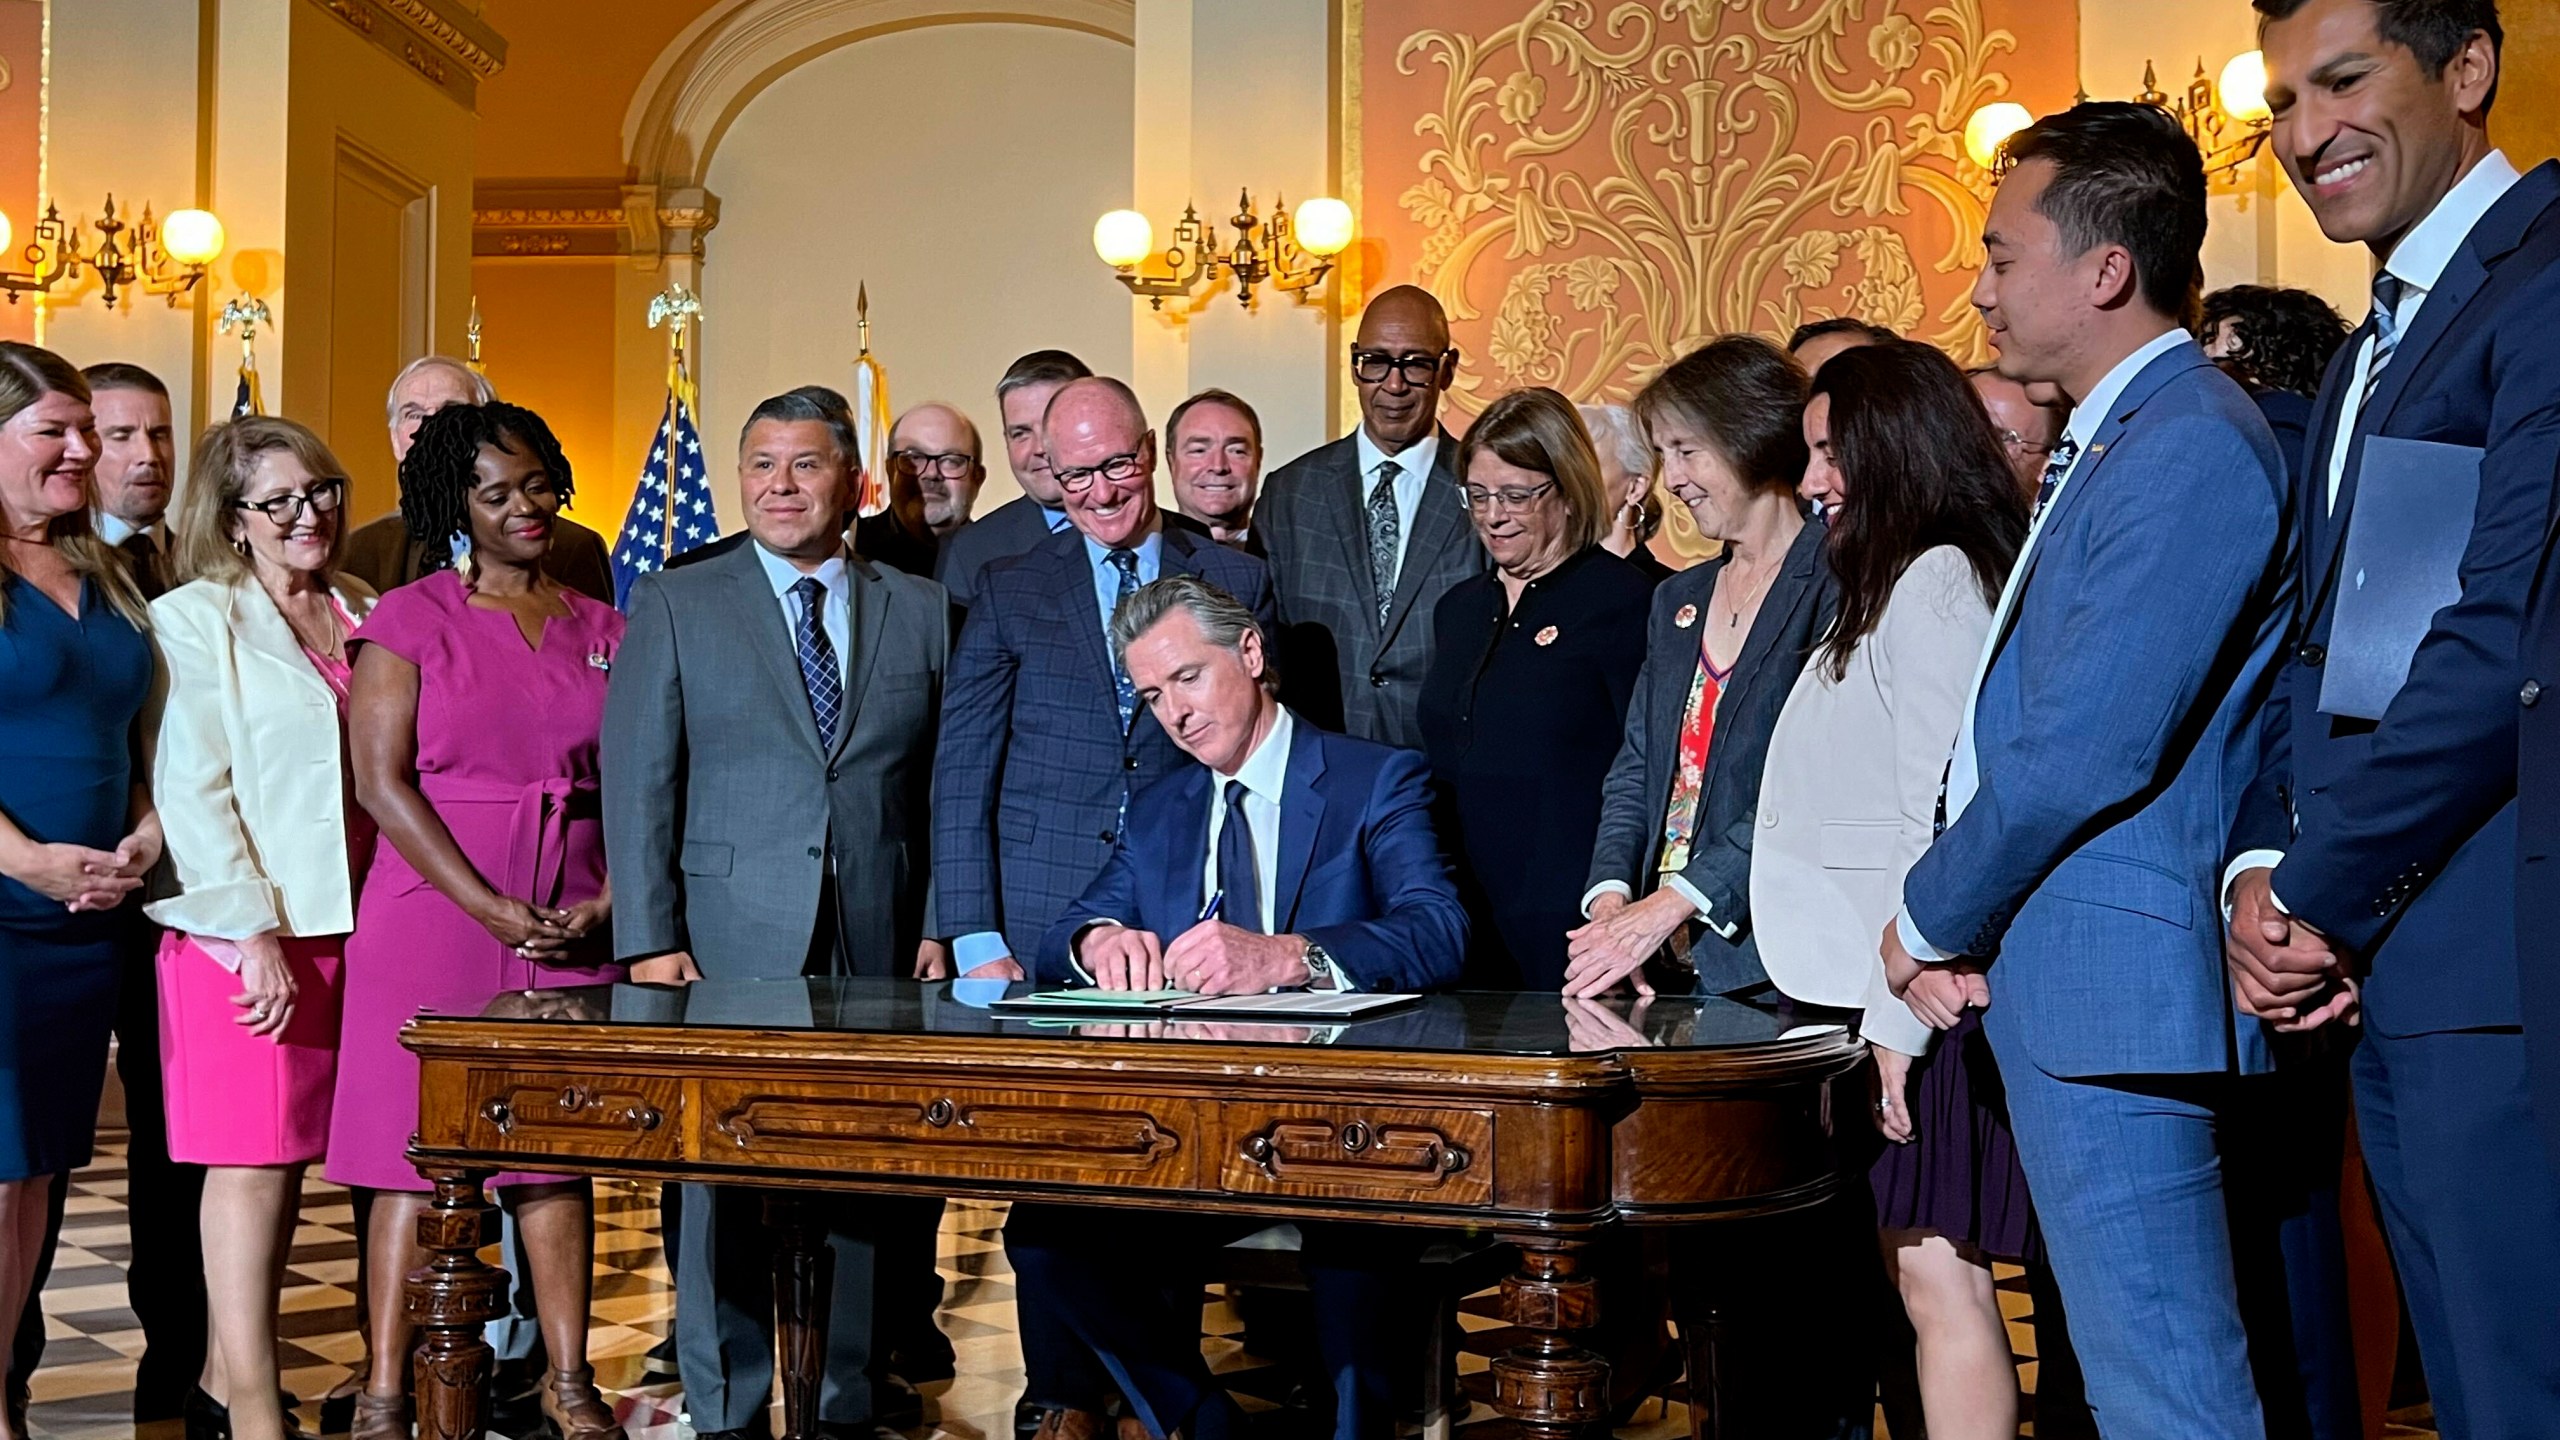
point(575, 1409)
point(379, 1417)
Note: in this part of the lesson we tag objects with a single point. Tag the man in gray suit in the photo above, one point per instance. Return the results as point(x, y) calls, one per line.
point(768, 753)
point(1367, 533)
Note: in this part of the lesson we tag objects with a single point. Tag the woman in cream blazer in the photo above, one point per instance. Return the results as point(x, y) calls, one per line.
point(245, 739)
point(1926, 521)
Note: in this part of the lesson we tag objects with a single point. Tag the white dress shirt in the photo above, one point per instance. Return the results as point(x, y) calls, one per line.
point(114, 528)
point(2418, 261)
point(1964, 768)
point(836, 619)
point(1413, 474)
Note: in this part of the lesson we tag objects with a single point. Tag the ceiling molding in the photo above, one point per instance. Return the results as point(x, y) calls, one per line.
point(728, 56)
point(584, 219)
point(437, 40)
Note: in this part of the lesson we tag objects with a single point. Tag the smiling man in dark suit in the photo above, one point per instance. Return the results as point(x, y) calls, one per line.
point(1367, 533)
point(1022, 523)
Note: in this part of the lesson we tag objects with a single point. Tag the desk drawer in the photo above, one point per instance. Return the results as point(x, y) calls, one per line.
point(566, 1113)
point(959, 1133)
point(1356, 1152)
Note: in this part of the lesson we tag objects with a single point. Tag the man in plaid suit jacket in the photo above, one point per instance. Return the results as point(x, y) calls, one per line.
point(1042, 744)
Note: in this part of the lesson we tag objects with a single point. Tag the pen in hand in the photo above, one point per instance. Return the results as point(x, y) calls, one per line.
point(1209, 911)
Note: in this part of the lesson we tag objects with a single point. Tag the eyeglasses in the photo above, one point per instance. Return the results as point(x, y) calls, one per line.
point(2020, 444)
point(1119, 470)
point(1370, 367)
point(1513, 501)
point(323, 498)
point(950, 464)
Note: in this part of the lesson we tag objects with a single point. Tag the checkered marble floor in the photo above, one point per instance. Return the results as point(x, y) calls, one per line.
point(83, 1391)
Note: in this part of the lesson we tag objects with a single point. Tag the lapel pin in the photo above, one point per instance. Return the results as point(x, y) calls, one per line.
point(598, 660)
point(1686, 617)
point(1546, 636)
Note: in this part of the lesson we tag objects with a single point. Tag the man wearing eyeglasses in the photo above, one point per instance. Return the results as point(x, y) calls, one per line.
point(938, 445)
point(2028, 428)
point(1367, 533)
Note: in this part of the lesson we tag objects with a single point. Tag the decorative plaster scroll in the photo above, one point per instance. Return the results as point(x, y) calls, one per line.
point(429, 37)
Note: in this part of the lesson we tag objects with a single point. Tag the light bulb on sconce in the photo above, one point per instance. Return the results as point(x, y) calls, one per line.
point(2243, 88)
point(1123, 239)
point(191, 237)
point(1990, 127)
point(1324, 226)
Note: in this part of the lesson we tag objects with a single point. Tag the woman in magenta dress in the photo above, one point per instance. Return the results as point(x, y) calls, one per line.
point(479, 695)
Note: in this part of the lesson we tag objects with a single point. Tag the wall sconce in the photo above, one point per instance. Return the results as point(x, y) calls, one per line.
point(1291, 256)
point(2228, 121)
point(167, 258)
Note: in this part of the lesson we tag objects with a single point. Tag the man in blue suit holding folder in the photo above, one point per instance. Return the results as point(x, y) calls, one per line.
point(1288, 858)
point(2377, 864)
point(2096, 770)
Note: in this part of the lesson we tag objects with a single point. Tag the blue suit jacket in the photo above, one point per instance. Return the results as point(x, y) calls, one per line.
point(1361, 871)
point(2115, 734)
point(2405, 848)
point(1033, 768)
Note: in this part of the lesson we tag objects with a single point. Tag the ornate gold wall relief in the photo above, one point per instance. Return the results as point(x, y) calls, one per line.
point(1595, 188)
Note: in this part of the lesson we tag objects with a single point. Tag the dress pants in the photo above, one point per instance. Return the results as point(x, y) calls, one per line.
point(164, 1200)
point(2128, 1189)
point(2286, 1142)
point(2471, 1207)
point(1128, 1286)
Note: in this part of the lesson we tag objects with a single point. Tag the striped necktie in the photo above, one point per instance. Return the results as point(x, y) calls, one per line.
point(2387, 290)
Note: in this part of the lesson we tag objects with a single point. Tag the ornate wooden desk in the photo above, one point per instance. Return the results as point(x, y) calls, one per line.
point(1540, 1119)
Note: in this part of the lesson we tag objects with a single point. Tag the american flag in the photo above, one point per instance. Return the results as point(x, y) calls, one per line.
point(671, 511)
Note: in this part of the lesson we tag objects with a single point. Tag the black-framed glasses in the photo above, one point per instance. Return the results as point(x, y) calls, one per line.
point(1512, 500)
point(1119, 470)
point(949, 464)
point(1371, 367)
point(323, 498)
point(2021, 445)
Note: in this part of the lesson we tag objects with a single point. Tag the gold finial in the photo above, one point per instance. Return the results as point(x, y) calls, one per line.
point(471, 334)
point(676, 307)
point(862, 316)
point(247, 313)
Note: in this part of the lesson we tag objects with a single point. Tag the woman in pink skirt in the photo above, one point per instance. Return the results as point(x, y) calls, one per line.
point(479, 698)
point(258, 887)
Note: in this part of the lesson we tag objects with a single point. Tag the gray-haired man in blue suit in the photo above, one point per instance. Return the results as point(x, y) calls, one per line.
point(2095, 777)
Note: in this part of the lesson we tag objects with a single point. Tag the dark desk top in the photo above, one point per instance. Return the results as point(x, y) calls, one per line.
point(1496, 1023)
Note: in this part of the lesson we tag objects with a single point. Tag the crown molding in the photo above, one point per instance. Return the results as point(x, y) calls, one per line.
point(579, 219)
point(441, 43)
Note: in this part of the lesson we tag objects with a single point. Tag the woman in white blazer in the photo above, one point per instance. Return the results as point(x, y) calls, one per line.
point(1925, 522)
point(246, 743)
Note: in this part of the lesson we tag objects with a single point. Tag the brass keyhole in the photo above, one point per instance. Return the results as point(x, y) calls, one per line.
point(1355, 1137)
point(573, 1098)
point(939, 1113)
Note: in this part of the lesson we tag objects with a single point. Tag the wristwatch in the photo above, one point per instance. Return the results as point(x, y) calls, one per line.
point(1322, 973)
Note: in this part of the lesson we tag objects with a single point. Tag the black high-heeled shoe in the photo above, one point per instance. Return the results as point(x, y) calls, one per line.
point(210, 1419)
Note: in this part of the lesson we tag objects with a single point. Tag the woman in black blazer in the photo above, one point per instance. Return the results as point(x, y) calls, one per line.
point(1672, 865)
point(1532, 664)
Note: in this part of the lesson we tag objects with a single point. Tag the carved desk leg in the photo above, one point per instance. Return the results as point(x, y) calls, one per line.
point(803, 1285)
point(1549, 1385)
point(450, 1299)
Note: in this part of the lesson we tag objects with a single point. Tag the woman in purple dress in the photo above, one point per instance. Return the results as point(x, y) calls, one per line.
point(478, 698)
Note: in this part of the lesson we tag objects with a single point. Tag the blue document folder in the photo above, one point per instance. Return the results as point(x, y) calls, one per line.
point(2403, 563)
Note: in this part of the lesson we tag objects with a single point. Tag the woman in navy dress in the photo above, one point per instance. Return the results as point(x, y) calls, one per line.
point(76, 829)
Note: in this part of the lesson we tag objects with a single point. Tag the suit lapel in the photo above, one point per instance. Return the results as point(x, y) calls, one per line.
point(1351, 497)
point(1438, 523)
point(262, 630)
point(1185, 867)
point(866, 602)
point(1795, 586)
point(1080, 604)
point(1302, 809)
point(759, 616)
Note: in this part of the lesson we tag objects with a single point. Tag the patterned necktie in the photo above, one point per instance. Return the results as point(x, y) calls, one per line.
point(1385, 531)
point(1239, 874)
point(2057, 465)
point(2387, 289)
point(818, 657)
point(1126, 562)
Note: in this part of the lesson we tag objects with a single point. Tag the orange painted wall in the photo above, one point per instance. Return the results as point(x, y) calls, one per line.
point(556, 110)
point(2527, 117)
point(547, 329)
point(22, 60)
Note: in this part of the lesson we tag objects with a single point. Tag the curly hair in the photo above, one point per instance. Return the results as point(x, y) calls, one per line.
point(437, 479)
point(2281, 339)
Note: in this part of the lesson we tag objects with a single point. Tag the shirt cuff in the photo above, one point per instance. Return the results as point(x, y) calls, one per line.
point(1591, 897)
point(977, 948)
point(1704, 908)
point(2251, 860)
point(1917, 944)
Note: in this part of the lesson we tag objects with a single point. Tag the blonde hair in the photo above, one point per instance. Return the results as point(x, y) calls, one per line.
point(28, 373)
point(1538, 429)
point(208, 546)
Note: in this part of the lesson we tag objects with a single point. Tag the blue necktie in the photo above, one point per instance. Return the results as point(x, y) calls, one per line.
point(1239, 874)
point(818, 658)
point(2055, 467)
point(2386, 332)
point(1126, 562)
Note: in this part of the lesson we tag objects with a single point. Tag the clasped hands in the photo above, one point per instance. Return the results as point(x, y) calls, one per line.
point(1211, 958)
point(1939, 994)
point(84, 879)
point(2283, 970)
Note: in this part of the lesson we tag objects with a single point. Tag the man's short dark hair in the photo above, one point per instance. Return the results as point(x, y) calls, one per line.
point(1837, 325)
point(2124, 174)
point(1214, 396)
point(808, 403)
point(1041, 367)
point(118, 375)
point(2432, 30)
